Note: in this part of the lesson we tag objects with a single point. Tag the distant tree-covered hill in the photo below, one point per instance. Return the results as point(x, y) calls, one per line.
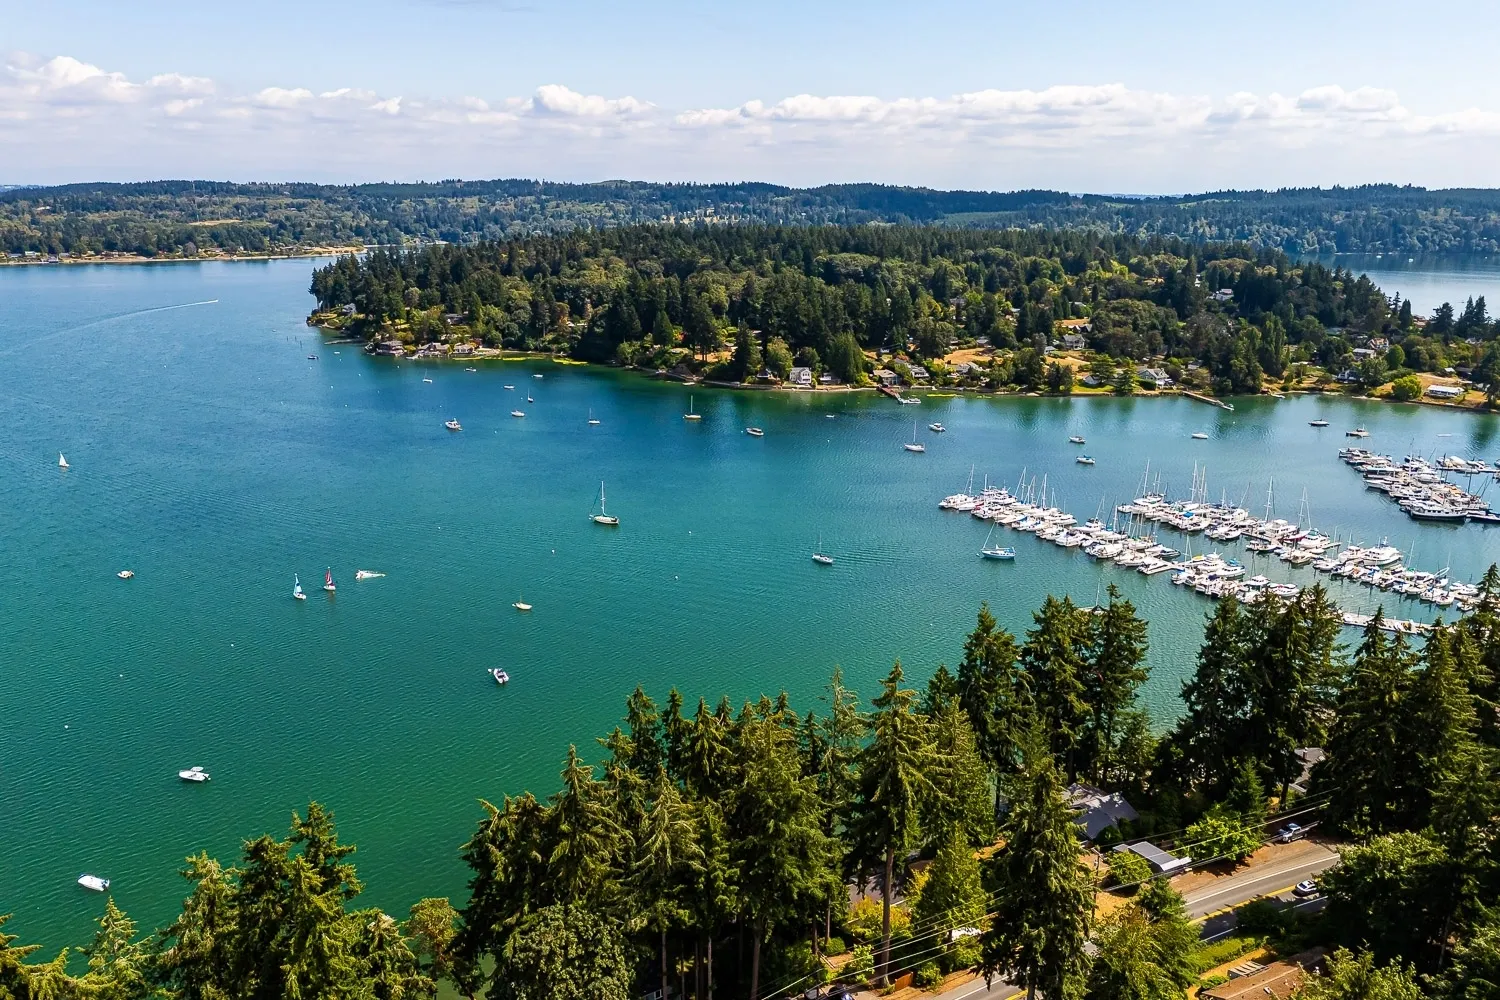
point(176, 218)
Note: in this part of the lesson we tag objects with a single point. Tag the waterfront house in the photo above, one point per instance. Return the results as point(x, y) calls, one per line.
point(802, 378)
point(1445, 391)
point(1160, 861)
point(828, 378)
point(1157, 375)
point(884, 376)
point(1098, 810)
point(347, 309)
point(919, 374)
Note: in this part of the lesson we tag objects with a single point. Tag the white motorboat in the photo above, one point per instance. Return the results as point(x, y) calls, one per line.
point(501, 677)
point(94, 883)
point(602, 517)
point(427, 380)
point(453, 425)
point(1084, 460)
point(518, 413)
point(537, 375)
point(125, 574)
point(367, 574)
point(755, 432)
point(1317, 423)
point(471, 369)
point(510, 387)
point(1200, 436)
point(193, 774)
point(1358, 432)
point(936, 428)
point(1076, 439)
point(297, 588)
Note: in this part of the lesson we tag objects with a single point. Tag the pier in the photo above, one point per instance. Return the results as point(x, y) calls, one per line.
point(1207, 399)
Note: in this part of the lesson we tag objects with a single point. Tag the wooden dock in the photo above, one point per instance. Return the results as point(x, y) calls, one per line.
point(893, 393)
point(1207, 399)
point(1399, 626)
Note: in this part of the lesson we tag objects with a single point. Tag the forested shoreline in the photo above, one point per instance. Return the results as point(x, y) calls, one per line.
point(748, 303)
point(182, 217)
point(711, 849)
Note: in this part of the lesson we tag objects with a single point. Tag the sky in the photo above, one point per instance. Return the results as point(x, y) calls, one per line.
point(1119, 97)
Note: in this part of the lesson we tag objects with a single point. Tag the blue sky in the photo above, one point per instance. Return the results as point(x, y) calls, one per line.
point(1166, 96)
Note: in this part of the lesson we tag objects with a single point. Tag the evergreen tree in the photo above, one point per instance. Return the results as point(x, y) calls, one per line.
point(1114, 669)
point(564, 953)
point(1216, 700)
point(960, 805)
point(953, 895)
point(992, 692)
point(896, 770)
point(942, 691)
point(1044, 896)
point(1053, 658)
point(667, 862)
point(585, 839)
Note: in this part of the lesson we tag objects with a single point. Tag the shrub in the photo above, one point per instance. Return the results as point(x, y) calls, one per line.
point(965, 954)
point(1224, 950)
point(866, 915)
point(1406, 389)
point(1209, 982)
point(1263, 918)
point(928, 976)
point(834, 946)
point(1126, 868)
point(861, 965)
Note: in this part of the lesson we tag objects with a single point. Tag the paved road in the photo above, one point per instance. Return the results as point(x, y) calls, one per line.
point(1260, 880)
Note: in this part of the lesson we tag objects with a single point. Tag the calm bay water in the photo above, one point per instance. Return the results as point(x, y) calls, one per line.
point(211, 457)
point(1428, 280)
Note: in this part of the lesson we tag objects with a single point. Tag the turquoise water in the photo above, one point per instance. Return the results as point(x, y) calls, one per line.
point(212, 458)
point(1428, 280)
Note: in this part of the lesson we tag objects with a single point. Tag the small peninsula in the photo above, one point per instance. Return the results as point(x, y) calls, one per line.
point(981, 310)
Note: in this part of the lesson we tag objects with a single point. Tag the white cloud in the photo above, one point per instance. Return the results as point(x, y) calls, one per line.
point(64, 119)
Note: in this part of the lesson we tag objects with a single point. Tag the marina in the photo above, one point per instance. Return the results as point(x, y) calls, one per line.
point(1421, 488)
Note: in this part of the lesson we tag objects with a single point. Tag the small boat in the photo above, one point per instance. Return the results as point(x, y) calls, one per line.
point(521, 605)
point(936, 428)
point(1200, 436)
point(988, 551)
point(518, 413)
point(427, 380)
point(510, 387)
point(125, 574)
point(593, 421)
point(602, 517)
point(1358, 432)
point(367, 574)
point(94, 883)
point(1076, 439)
point(501, 677)
point(1317, 423)
point(312, 357)
point(471, 369)
point(755, 432)
point(328, 580)
point(193, 774)
point(297, 588)
point(1084, 460)
point(914, 445)
point(529, 399)
point(819, 557)
point(62, 463)
point(453, 425)
point(690, 415)
point(537, 375)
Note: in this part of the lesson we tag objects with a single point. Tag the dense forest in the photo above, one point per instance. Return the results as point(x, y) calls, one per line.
point(750, 300)
point(177, 218)
point(712, 851)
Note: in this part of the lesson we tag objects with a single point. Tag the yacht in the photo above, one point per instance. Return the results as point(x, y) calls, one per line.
point(518, 413)
point(501, 677)
point(125, 574)
point(453, 425)
point(915, 445)
point(936, 428)
point(1200, 436)
point(537, 375)
point(1358, 432)
point(1075, 439)
point(755, 432)
point(690, 415)
point(521, 605)
point(94, 883)
point(367, 574)
point(1084, 460)
point(602, 517)
point(593, 421)
point(193, 774)
point(428, 380)
point(1317, 423)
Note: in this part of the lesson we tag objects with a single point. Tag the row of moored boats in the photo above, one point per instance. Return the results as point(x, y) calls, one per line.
point(1420, 488)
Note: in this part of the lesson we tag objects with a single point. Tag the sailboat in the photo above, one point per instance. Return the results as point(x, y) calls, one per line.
point(819, 557)
point(521, 605)
point(62, 463)
point(602, 517)
point(592, 421)
point(988, 551)
point(328, 580)
point(690, 415)
point(914, 445)
point(297, 588)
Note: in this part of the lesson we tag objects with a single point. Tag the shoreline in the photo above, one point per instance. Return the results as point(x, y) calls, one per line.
point(205, 259)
